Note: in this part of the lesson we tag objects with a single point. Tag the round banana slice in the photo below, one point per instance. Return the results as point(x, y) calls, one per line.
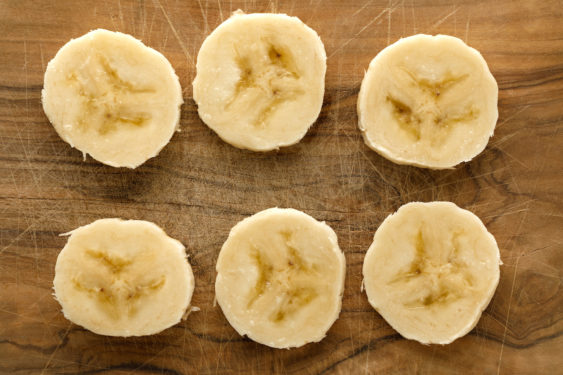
point(428, 101)
point(431, 270)
point(260, 80)
point(123, 278)
point(112, 97)
point(280, 278)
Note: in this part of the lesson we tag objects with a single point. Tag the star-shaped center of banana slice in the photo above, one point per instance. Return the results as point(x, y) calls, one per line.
point(116, 283)
point(289, 281)
point(109, 101)
point(268, 77)
point(423, 108)
point(437, 271)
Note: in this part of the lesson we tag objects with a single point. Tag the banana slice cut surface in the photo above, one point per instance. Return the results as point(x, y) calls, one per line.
point(112, 97)
point(260, 80)
point(280, 278)
point(123, 278)
point(431, 270)
point(428, 101)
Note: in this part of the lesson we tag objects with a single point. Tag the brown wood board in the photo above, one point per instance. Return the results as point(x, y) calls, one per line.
point(199, 187)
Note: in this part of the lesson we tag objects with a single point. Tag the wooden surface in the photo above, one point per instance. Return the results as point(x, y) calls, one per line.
point(199, 187)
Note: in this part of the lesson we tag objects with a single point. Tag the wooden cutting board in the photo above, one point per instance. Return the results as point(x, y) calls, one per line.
point(199, 187)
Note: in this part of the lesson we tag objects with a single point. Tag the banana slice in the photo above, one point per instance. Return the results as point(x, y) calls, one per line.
point(431, 270)
point(112, 97)
point(123, 278)
point(260, 80)
point(428, 101)
point(280, 278)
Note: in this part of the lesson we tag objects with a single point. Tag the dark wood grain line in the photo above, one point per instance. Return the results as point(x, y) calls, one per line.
point(131, 366)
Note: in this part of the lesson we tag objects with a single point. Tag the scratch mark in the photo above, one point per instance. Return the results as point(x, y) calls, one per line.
point(144, 18)
point(78, 363)
point(440, 185)
point(220, 10)
point(33, 319)
point(202, 350)
point(25, 70)
point(375, 168)
point(219, 352)
point(505, 213)
point(314, 11)
point(153, 356)
point(403, 17)
point(337, 116)
point(370, 330)
point(513, 158)
point(389, 24)
point(499, 142)
point(41, 218)
point(467, 28)
point(273, 6)
point(113, 22)
point(359, 32)
point(473, 207)
point(19, 134)
point(42, 59)
point(507, 315)
point(184, 339)
point(431, 364)
point(120, 14)
point(514, 182)
point(176, 35)
point(512, 287)
point(513, 115)
point(413, 17)
point(56, 349)
point(292, 7)
point(455, 24)
point(36, 256)
point(444, 18)
point(204, 16)
point(151, 25)
point(550, 267)
point(362, 7)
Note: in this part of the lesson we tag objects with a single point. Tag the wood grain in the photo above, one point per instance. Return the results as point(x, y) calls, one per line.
point(199, 187)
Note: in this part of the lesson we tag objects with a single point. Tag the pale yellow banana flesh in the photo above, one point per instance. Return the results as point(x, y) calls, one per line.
point(260, 80)
point(428, 101)
point(431, 270)
point(123, 278)
point(280, 278)
point(112, 97)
